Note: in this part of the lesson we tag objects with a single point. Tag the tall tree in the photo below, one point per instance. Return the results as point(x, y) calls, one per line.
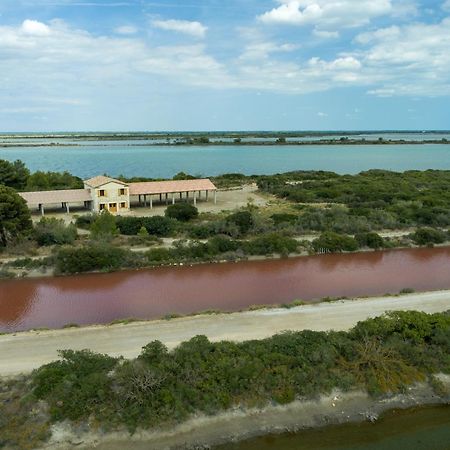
point(14, 174)
point(15, 219)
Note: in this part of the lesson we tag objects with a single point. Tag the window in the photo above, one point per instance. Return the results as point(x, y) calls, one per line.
point(102, 193)
point(122, 192)
point(123, 205)
point(102, 206)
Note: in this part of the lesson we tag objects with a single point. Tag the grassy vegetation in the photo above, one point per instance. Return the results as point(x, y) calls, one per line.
point(382, 355)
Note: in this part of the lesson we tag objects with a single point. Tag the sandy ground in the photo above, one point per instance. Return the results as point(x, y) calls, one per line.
point(23, 352)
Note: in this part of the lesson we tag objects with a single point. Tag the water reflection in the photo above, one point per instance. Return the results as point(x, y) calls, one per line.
point(146, 294)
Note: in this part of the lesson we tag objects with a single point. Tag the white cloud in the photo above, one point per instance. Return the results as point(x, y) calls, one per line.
point(446, 5)
point(322, 34)
point(51, 66)
point(261, 50)
point(35, 28)
point(322, 114)
point(327, 14)
point(126, 30)
point(195, 29)
point(409, 60)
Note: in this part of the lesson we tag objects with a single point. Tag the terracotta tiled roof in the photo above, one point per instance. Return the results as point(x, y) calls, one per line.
point(101, 180)
point(168, 187)
point(50, 197)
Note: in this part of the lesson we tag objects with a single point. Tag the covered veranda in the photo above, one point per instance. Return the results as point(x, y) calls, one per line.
point(165, 192)
point(42, 200)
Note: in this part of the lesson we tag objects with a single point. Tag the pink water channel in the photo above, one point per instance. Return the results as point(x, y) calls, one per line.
point(154, 293)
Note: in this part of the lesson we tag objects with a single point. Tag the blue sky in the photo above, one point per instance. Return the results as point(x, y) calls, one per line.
point(224, 65)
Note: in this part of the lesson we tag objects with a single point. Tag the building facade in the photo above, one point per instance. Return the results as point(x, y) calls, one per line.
point(108, 194)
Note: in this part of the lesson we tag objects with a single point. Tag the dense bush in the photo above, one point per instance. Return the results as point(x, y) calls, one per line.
point(242, 219)
point(381, 198)
point(371, 240)
point(270, 244)
point(425, 236)
point(94, 257)
point(284, 218)
point(155, 225)
point(335, 242)
point(382, 355)
point(104, 228)
point(51, 231)
point(85, 221)
point(183, 212)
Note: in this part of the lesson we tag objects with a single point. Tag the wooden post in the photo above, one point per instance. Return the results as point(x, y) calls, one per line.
point(145, 200)
point(215, 197)
point(151, 202)
point(67, 208)
point(195, 198)
point(207, 193)
point(173, 199)
point(160, 197)
point(181, 195)
point(42, 209)
point(167, 197)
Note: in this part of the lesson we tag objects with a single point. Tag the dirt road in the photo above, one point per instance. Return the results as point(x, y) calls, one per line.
point(23, 352)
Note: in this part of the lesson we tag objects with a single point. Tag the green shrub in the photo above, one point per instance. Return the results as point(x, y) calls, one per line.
point(182, 212)
point(242, 219)
point(284, 218)
point(51, 231)
point(159, 225)
point(94, 257)
point(129, 226)
point(159, 255)
point(222, 244)
point(371, 240)
point(335, 242)
point(104, 228)
point(425, 236)
point(271, 243)
point(85, 221)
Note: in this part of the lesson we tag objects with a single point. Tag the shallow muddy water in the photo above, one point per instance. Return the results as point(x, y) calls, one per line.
point(154, 293)
point(415, 429)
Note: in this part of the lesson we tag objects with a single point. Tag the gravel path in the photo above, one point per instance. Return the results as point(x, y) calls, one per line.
point(23, 352)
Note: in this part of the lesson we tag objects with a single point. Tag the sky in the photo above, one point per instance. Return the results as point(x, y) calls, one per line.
point(150, 65)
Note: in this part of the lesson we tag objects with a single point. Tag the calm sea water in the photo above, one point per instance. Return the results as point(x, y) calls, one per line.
point(164, 161)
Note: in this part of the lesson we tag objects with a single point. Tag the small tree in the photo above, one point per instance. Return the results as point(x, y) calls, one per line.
point(15, 219)
point(104, 227)
point(143, 233)
point(182, 212)
point(14, 174)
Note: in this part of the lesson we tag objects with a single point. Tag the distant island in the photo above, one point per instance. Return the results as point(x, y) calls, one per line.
point(227, 138)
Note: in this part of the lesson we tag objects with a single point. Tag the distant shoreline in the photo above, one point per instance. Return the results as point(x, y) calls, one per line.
point(336, 142)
